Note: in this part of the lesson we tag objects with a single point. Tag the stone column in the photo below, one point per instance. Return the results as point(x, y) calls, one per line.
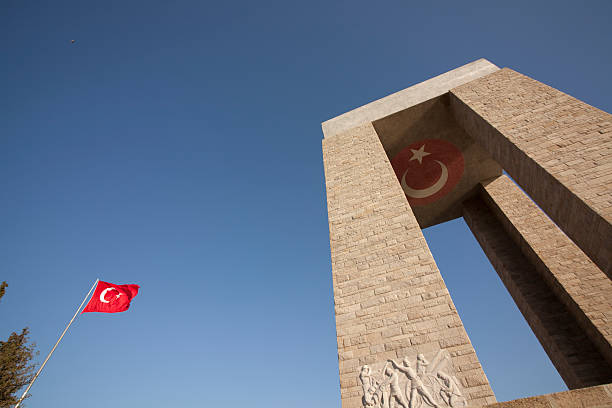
point(557, 148)
point(390, 300)
point(563, 295)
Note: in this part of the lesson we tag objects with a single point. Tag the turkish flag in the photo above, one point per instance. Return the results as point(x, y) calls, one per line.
point(428, 170)
point(109, 298)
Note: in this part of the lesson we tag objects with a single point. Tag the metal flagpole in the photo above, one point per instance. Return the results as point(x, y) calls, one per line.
point(54, 347)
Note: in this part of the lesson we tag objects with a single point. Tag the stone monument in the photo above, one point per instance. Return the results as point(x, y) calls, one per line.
point(434, 152)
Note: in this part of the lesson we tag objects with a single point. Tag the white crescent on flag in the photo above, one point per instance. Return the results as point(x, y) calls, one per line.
point(426, 192)
point(103, 295)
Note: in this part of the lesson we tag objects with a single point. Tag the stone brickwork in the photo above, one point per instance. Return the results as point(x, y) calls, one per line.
point(556, 147)
point(576, 281)
point(390, 299)
point(593, 397)
point(400, 338)
point(577, 360)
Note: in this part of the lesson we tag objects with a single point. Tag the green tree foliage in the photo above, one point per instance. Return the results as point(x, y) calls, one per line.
point(15, 368)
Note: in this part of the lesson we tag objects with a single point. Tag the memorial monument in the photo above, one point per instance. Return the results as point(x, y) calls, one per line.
point(434, 152)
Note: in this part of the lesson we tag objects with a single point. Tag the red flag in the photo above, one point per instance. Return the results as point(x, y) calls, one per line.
point(109, 298)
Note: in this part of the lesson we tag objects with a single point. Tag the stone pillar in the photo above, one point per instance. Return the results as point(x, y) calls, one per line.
point(576, 281)
point(390, 300)
point(557, 148)
point(563, 296)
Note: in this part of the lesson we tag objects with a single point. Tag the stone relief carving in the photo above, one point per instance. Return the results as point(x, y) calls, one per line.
point(430, 384)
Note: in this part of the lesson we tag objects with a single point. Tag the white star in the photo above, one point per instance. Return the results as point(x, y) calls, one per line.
point(419, 154)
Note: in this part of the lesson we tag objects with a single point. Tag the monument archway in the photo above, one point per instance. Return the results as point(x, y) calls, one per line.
point(434, 152)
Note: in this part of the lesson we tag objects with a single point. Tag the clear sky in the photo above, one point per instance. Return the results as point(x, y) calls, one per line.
point(177, 145)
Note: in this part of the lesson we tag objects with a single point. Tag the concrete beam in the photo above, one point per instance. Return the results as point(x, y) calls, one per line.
point(408, 97)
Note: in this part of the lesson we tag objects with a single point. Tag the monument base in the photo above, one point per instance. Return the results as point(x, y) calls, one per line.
point(592, 397)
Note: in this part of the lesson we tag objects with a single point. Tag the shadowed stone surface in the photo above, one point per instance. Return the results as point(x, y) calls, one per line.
point(557, 148)
point(575, 357)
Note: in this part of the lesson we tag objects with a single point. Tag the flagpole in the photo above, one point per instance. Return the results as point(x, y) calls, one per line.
point(54, 347)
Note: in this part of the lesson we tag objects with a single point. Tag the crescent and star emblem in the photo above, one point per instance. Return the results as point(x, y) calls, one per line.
point(103, 295)
point(434, 188)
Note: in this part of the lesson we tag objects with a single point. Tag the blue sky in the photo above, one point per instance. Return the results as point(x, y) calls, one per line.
point(177, 145)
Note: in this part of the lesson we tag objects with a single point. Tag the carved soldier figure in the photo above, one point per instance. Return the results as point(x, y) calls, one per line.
point(427, 375)
point(450, 392)
point(370, 389)
point(442, 384)
point(395, 393)
point(422, 364)
point(417, 388)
